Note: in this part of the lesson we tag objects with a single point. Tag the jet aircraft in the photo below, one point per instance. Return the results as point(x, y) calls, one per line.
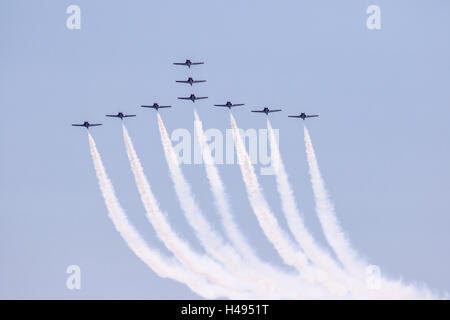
point(192, 97)
point(304, 116)
point(266, 110)
point(120, 115)
point(87, 125)
point(190, 80)
point(156, 106)
point(229, 105)
point(188, 63)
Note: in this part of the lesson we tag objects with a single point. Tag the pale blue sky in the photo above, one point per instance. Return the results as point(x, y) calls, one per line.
point(382, 137)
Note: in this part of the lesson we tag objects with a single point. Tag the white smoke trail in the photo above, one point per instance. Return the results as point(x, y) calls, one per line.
point(163, 267)
point(206, 234)
point(287, 250)
point(336, 238)
point(296, 225)
point(327, 216)
point(218, 189)
point(210, 240)
point(193, 261)
point(271, 274)
point(293, 217)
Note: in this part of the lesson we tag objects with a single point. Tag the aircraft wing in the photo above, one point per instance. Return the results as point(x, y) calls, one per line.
point(312, 116)
point(198, 81)
point(277, 110)
point(260, 111)
point(185, 98)
point(237, 104)
point(165, 106)
point(78, 125)
point(195, 63)
point(199, 98)
point(182, 81)
point(179, 63)
point(220, 105)
point(294, 116)
point(112, 115)
point(95, 124)
point(129, 115)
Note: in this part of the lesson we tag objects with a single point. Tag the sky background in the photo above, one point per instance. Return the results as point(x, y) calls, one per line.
point(382, 139)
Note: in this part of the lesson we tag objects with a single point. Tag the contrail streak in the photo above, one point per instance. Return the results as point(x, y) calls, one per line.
point(293, 217)
point(210, 240)
point(193, 261)
point(287, 250)
point(270, 274)
point(163, 267)
point(218, 189)
point(297, 227)
point(327, 216)
point(336, 238)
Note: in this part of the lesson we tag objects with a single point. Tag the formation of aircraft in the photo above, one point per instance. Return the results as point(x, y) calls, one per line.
point(188, 63)
point(190, 80)
point(229, 105)
point(304, 116)
point(87, 125)
point(120, 115)
point(156, 106)
point(266, 110)
point(192, 98)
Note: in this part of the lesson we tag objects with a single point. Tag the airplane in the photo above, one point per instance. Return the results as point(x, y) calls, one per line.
point(187, 63)
point(156, 106)
point(229, 105)
point(120, 115)
point(266, 110)
point(304, 116)
point(87, 125)
point(190, 81)
point(192, 97)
